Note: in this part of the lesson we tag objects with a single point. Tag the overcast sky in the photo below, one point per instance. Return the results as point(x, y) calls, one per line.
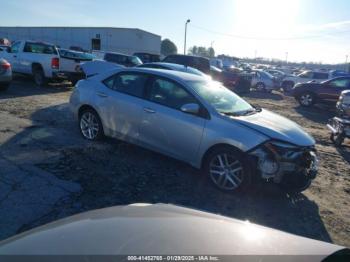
point(309, 30)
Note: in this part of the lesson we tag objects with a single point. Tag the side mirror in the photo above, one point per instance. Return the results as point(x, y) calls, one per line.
point(190, 109)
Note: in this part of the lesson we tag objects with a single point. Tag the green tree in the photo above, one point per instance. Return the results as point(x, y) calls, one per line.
point(193, 50)
point(211, 52)
point(168, 47)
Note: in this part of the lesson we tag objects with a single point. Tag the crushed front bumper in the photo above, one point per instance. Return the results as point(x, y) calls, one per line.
point(279, 161)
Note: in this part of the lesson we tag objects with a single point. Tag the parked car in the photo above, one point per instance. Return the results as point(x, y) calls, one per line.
point(5, 74)
point(308, 94)
point(197, 62)
point(340, 124)
point(70, 64)
point(217, 63)
point(147, 57)
point(306, 76)
point(121, 230)
point(263, 81)
point(44, 61)
point(118, 58)
point(197, 121)
point(176, 67)
point(279, 75)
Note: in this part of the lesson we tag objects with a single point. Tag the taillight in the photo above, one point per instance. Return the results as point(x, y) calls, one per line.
point(5, 66)
point(55, 63)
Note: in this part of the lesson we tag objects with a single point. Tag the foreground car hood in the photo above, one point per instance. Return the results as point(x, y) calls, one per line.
point(277, 127)
point(144, 229)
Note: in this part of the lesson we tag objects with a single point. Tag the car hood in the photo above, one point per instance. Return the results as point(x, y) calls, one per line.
point(161, 229)
point(277, 127)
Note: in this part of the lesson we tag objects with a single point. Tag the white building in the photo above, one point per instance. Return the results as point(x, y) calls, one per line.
point(123, 40)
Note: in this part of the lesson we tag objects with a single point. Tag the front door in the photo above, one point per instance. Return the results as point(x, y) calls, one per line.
point(164, 127)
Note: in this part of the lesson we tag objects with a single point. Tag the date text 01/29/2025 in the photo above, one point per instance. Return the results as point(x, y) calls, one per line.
point(172, 258)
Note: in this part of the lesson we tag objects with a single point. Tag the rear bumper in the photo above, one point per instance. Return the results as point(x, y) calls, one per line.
point(73, 76)
point(5, 78)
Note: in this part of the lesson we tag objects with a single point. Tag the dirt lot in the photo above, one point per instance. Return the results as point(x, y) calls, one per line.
point(47, 171)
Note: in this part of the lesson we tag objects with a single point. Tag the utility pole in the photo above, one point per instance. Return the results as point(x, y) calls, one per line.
point(188, 20)
point(346, 63)
point(286, 57)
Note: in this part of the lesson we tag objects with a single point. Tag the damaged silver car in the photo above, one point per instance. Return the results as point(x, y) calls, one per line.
point(197, 121)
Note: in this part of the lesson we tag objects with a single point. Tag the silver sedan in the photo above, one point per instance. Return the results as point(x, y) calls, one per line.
point(5, 74)
point(198, 121)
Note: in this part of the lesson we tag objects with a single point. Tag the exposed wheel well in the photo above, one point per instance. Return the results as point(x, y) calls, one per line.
point(216, 147)
point(36, 66)
point(84, 108)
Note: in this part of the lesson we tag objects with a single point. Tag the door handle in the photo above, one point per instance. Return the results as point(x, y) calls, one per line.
point(149, 110)
point(100, 94)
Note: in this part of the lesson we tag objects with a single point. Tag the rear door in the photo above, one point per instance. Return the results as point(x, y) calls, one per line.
point(330, 91)
point(120, 101)
point(164, 127)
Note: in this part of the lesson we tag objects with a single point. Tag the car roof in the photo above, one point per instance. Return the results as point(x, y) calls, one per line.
point(170, 65)
point(176, 75)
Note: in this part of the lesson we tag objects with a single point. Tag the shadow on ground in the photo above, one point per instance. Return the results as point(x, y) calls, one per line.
point(263, 95)
point(17, 89)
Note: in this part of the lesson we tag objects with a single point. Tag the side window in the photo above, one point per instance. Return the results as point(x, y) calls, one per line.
point(39, 48)
point(170, 94)
point(15, 47)
point(128, 83)
point(342, 83)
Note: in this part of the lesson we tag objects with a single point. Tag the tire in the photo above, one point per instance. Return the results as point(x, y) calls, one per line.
point(226, 169)
point(306, 99)
point(337, 139)
point(90, 125)
point(260, 86)
point(39, 77)
point(287, 86)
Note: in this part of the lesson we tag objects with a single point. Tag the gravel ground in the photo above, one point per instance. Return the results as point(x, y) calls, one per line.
point(40, 133)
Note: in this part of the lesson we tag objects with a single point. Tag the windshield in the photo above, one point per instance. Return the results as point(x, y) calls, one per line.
point(135, 60)
point(222, 99)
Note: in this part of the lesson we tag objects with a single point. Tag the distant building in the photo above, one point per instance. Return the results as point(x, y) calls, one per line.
point(124, 40)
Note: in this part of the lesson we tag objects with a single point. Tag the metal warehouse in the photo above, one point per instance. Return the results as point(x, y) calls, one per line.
point(124, 40)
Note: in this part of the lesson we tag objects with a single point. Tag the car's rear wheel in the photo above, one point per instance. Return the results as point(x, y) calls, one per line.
point(39, 77)
point(90, 125)
point(287, 86)
point(226, 169)
point(306, 99)
point(260, 86)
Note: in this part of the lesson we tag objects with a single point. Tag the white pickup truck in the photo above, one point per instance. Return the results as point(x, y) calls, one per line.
point(45, 61)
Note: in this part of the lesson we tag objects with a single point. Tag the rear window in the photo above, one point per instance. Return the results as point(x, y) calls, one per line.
point(39, 48)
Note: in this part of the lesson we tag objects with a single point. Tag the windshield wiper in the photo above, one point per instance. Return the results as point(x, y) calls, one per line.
point(230, 113)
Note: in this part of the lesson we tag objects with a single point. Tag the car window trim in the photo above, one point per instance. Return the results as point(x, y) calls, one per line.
point(126, 73)
point(203, 112)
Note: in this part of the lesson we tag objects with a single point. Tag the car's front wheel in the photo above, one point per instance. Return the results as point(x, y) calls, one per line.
point(226, 169)
point(90, 125)
point(306, 99)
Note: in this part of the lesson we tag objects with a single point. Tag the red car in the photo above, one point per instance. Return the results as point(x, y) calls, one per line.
point(310, 93)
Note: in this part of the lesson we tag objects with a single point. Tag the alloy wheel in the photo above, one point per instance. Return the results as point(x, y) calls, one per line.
point(89, 125)
point(306, 99)
point(226, 171)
